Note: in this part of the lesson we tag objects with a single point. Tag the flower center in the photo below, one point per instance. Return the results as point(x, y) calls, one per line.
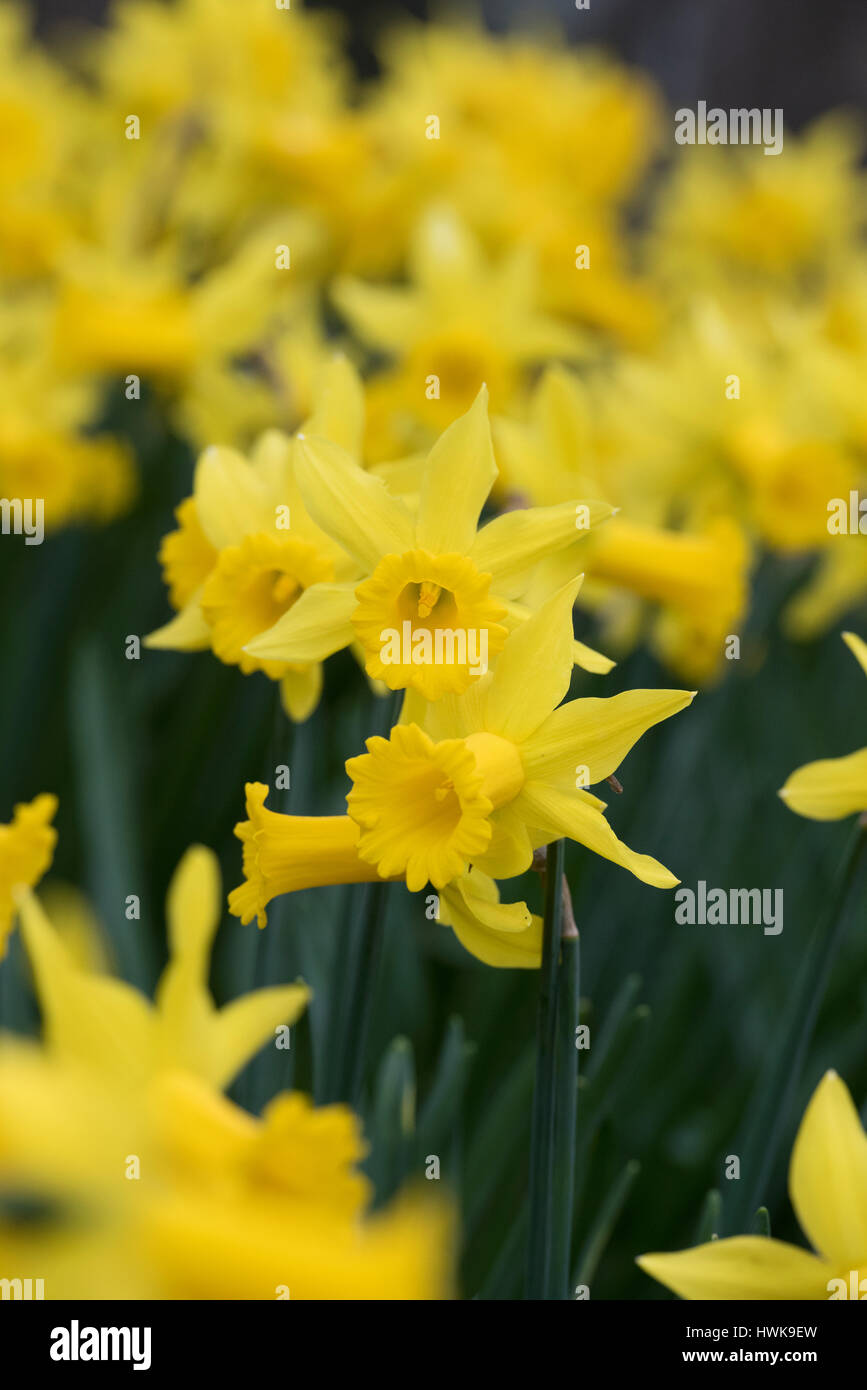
point(428, 597)
point(427, 622)
point(419, 806)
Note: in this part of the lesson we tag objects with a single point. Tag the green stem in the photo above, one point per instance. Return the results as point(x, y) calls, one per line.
point(564, 1115)
point(354, 997)
point(542, 1122)
point(765, 1121)
point(357, 968)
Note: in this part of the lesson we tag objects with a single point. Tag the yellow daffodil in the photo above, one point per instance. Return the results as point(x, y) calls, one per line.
point(461, 322)
point(833, 787)
point(47, 447)
point(247, 549)
point(26, 848)
point(501, 770)
point(494, 774)
point(175, 1192)
point(430, 577)
point(828, 1189)
point(283, 854)
point(697, 577)
point(735, 213)
point(97, 1021)
point(167, 1189)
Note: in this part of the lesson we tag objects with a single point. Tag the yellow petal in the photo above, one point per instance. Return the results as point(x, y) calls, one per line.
point(828, 1175)
point(90, 1019)
point(742, 1268)
point(338, 411)
point(382, 315)
point(560, 813)
point(316, 626)
point(241, 1028)
point(858, 647)
point(349, 504)
point(185, 1008)
point(533, 670)
point(187, 631)
point(828, 789)
point(458, 476)
point(596, 734)
point(26, 848)
point(511, 544)
point(231, 500)
point(193, 907)
point(300, 690)
point(591, 660)
point(504, 935)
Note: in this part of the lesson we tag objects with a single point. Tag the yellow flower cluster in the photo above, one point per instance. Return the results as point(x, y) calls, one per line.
point(200, 201)
point(443, 386)
point(167, 1189)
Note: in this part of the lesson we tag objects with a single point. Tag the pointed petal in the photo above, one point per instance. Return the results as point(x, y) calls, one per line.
point(315, 627)
point(187, 631)
point(596, 733)
point(458, 476)
point(351, 505)
point(231, 500)
point(828, 1175)
point(561, 813)
point(533, 670)
point(193, 907)
point(828, 789)
point(300, 691)
point(858, 647)
point(242, 1027)
point(90, 1019)
point(513, 542)
point(742, 1268)
point(590, 660)
point(382, 315)
point(185, 1008)
point(338, 412)
point(443, 252)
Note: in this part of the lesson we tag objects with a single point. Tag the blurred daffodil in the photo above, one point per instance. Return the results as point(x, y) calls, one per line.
point(99, 1022)
point(26, 848)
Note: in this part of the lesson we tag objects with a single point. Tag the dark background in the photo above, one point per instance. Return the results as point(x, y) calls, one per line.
point(802, 55)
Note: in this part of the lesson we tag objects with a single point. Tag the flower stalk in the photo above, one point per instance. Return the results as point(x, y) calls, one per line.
point(542, 1134)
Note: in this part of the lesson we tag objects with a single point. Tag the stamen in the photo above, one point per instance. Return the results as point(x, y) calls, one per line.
point(428, 598)
point(285, 588)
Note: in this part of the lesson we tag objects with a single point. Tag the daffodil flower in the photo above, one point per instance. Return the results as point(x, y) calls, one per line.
point(246, 549)
point(105, 1024)
point(494, 774)
point(26, 849)
point(461, 320)
point(828, 1189)
point(429, 574)
point(834, 787)
point(283, 854)
point(501, 770)
point(697, 576)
